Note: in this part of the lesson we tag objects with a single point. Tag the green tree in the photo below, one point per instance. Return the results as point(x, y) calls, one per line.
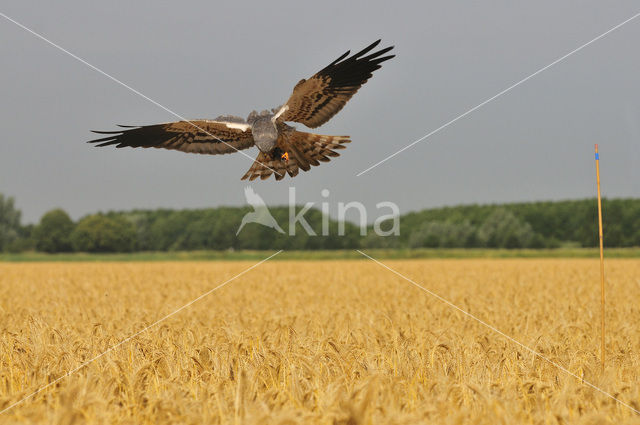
point(503, 230)
point(168, 232)
point(9, 222)
point(99, 233)
point(53, 232)
point(373, 240)
point(442, 234)
point(24, 241)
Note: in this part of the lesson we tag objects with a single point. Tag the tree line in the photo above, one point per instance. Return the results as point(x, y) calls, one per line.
point(516, 225)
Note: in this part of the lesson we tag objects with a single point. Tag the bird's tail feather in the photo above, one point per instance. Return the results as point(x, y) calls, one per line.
point(304, 149)
point(311, 149)
point(264, 166)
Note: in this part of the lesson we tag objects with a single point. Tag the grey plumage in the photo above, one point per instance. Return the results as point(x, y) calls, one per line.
point(265, 133)
point(230, 118)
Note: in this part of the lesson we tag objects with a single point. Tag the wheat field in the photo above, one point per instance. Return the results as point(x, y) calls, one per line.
point(328, 342)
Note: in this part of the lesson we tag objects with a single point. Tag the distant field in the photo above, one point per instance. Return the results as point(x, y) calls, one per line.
point(330, 342)
point(328, 255)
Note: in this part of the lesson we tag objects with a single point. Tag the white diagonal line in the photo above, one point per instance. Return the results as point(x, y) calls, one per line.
point(442, 127)
point(112, 78)
point(498, 331)
point(127, 339)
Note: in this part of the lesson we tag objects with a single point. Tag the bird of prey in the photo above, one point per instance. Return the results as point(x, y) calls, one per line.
point(283, 149)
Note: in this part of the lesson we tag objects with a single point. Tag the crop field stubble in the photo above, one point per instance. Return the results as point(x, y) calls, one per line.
point(343, 342)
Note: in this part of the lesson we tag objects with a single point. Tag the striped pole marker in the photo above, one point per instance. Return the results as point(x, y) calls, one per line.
point(602, 344)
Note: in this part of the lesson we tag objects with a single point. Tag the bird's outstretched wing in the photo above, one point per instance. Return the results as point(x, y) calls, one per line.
point(197, 136)
point(316, 100)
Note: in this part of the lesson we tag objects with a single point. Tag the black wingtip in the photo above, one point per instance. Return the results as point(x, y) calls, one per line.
point(378, 61)
point(360, 56)
point(105, 132)
point(103, 142)
point(111, 136)
point(347, 53)
point(367, 49)
point(382, 51)
point(116, 131)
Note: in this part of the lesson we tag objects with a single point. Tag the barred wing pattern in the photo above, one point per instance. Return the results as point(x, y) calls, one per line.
point(312, 103)
point(197, 136)
point(316, 100)
point(304, 149)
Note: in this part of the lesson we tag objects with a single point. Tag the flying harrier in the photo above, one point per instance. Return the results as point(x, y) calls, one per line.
point(283, 149)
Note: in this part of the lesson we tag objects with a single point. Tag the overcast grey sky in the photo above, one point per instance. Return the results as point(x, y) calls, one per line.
point(205, 58)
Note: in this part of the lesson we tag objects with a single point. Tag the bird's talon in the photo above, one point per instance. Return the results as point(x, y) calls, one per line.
point(285, 156)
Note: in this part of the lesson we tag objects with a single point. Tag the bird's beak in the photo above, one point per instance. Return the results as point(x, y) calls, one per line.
point(285, 156)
